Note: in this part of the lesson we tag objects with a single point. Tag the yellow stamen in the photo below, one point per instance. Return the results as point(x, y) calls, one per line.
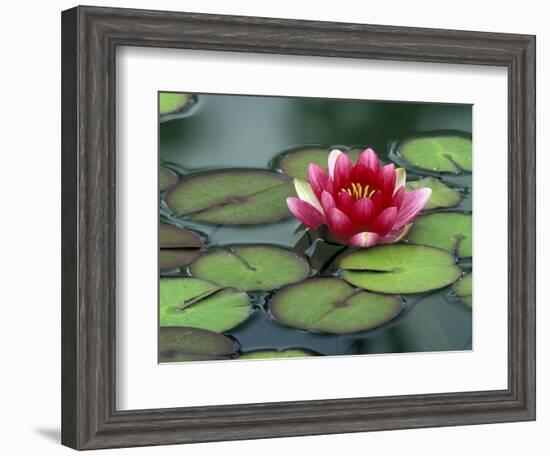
point(357, 191)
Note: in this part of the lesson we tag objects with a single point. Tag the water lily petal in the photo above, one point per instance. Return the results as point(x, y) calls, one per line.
point(384, 222)
point(369, 159)
point(339, 223)
point(363, 211)
point(318, 179)
point(342, 171)
point(305, 212)
point(305, 193)
point(396, 235)
point(327, 201)
point(400, 178)
point(345, 202)
point(398, 197)
point(412, 204)
point(364, 239)
point(388, 177)
point(332, 157)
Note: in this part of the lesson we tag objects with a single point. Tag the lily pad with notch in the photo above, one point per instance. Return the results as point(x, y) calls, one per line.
point(330, 305)
point(251, 267)
point(178, 246)
point(167, 178)
point(232, 197)
point(399, 268)
point(295, 163)
point(463, 289)
point(442, 195)
point(277, 354)
point(178, 344)
point(200, 304)
point(451, 231)
point(439, 153)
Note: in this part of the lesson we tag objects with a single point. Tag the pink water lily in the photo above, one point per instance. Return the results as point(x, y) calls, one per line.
point(361, 205)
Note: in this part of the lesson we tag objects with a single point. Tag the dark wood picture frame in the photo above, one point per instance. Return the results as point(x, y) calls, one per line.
point(90, 37)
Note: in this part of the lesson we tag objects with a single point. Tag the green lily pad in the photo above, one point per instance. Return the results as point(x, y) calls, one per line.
point(331, 305)
point(463, 289)
point(172, 237)
point(443, 153)
point(295, 163)
point(442, 196)
point(250, 267)
point(451, 231)
point(272, 354)
point(192, 344)
point(399, 268)
point(170, 103)
point(166, 178)
point(200, 304)
point(232, 197)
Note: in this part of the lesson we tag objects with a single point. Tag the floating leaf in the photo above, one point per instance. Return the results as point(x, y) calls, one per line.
point(451, 231)
point(296, 162)
point(251, 267)
point(192, 344)
point(172, 237)
point(166, 178)
point(442, 153)
point(232, 197)
point(400, 268)
point(170, 103)
point(442, 196)
point(271, 354)
point(463, 289)
point(200, 304)
point(176, 258)
point(331, 305)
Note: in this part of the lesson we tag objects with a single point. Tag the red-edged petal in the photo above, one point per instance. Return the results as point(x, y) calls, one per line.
point(339, 223)
point(398, 197)
point(384, 222)
point(412, 204)
point(327, 201)
point(318, 179)
point(363, 211)
point(344, 202)
point(388, 186)
point(364, 239)
point(369, 159)
point(342, 171)
point(305, 212)
point(377, 201)
point(395, 235)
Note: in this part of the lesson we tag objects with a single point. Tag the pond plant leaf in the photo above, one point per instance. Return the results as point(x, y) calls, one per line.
point(330, 305)
point(273, 354)
point(178, 344)
point(170, 103)
point(232, 197)
point(176, 258)
point(166, 178)
point(441, 153)
point(463, 289)
point(451, 231)
point(200, 304)
point(295, 163)
point(251, 267)
point(399, 268)
point(178, 246)
point(442, 196)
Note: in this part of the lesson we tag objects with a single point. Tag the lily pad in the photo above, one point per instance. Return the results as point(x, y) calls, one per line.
point(443, 153)
point(172, 237)
point(400, 268)
point(250, 267)
point(296, 162)
point(451, 231)
point(442, 196)
point(192, 344)
point(170, 103)
point(176, 258)
point(232, 197)
point(272, 354)
point(200, 304)
point(463, 289)
point(166, 178)
point(330, 305)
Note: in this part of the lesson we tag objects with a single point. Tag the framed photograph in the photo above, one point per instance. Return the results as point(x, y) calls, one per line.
point(279, 228)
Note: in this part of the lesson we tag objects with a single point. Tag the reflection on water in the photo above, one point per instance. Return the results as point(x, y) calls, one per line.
point(227, 131)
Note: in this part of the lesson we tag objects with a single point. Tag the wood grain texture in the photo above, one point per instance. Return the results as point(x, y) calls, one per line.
point(89, 39)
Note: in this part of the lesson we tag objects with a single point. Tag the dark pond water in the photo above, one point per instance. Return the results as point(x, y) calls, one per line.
point(227, 131)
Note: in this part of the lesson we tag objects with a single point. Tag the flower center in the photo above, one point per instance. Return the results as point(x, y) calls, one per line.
point(357, 191)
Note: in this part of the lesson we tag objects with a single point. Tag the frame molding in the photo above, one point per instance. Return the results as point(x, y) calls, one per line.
point(90, 36)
